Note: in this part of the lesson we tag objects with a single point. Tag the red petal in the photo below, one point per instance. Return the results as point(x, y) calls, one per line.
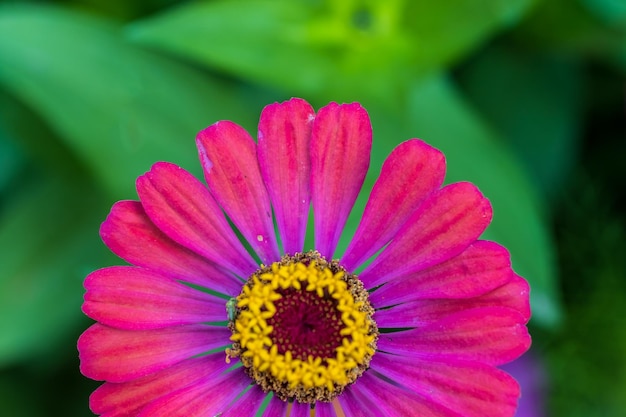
point(283, 152)
point(513, 295)
point(229, 159)
point(445, 224)
point(480, 268)
point(183, 208)
point(470, 389)
point(208, 397)
point(127, 398)
point(130, 234)
point(341, 143)
point(493, 335)
point(114, 355)
point(136, 299)
point(411, 172)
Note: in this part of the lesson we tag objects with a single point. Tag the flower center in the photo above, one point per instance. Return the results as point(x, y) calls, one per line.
point(303, 328)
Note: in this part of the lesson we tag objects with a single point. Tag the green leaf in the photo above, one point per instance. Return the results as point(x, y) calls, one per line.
point(346, 50)
point(47, 235)
point(534, 100)
point(119, 108)
point(474, 153)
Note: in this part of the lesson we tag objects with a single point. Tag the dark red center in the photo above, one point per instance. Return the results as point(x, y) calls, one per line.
point(306, 324)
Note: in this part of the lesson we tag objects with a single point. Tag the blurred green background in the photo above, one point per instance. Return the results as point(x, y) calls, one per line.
point(525, 97)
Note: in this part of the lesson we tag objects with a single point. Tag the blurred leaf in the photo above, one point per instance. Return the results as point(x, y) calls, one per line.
point(439, 115)
point(47, 236)
point(568, 26)
point(445, 30)
point(344, 50)
point(119, 108)
point(535, 101)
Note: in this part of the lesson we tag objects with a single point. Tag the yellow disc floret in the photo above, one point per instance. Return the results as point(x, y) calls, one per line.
point(309, 366)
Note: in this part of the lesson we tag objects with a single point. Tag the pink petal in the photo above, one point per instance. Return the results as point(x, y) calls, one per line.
point(114, 355)
point(355, 404)
point(127, 398)
point(446, 223)
point(493, 335)
point(179, 205)
point(394, 401)
point(248, 404)
point(341, 142)
point(207, 397)
point(276, 408)
point(229, 158)
point(283, 152)
point(324, 410)
point(300, 410)
point(411, 172)
point(470, 389)
point(513, 295)
point(480, 268)
point(137, 299)
point(130, 234)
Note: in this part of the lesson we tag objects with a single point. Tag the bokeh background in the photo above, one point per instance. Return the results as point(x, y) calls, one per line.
point(525, 98)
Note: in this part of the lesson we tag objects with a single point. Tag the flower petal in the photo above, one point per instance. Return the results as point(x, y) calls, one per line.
point(284, 161)
point(276, 408)
point(412, 171)
point(127, 398)
point(300, 410)
point(493, 335)
point(231, 169)
point(207, 397)
point(480, 268)
point(248, 404)
point(130, 234)
point(394, 401)
point(470, 389)
point(513, 295)
point(355, 404)
point(137, 299)
point(341, 143)
point(182, 207)
point(114, 355)
point(323, 409)
point(446, 223)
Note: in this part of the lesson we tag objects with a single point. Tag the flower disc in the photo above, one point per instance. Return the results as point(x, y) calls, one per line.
point(303, 328)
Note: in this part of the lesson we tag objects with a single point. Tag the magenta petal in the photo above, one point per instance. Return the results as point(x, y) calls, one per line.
point(355, 404)
point(394, 401)
point(208, 397)
point(229, 159)
point(130, 234)
point(283, 152)
point(341, 142)
point(324, 410)
point(127, 398)
point(248, 404)
point(411, 172)
point(114, 355)
point(446, 223)
point(276, 408)
point(494, 335)
point(182, 207)
point(300, 410)
point(513, 295)
point(137, 299)
point(482, 267)
point(470, 389)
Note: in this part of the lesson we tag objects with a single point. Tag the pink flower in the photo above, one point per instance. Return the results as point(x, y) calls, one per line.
point(201, 325)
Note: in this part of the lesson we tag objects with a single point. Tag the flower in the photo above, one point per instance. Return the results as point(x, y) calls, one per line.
point(202, 324)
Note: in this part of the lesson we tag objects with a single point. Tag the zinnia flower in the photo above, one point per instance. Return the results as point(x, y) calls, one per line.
point(411, 320)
